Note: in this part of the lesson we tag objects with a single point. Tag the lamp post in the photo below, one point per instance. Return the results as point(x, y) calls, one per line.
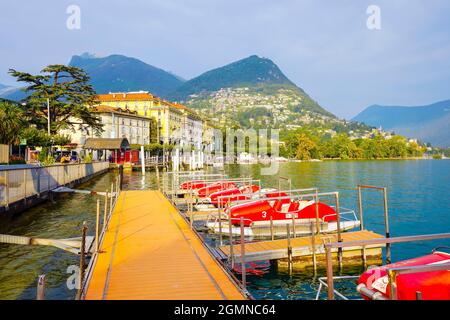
point(48, 116)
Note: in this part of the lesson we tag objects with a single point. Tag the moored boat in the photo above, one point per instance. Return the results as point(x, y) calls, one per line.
point(277, 209)
point(433, 285)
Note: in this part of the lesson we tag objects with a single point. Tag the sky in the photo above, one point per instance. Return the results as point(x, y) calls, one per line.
point(325, 47)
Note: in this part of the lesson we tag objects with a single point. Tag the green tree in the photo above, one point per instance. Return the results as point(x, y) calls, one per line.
point(12, 120)
point(306, 147)
point(40, 138)
point(69, 93)
point(396, 147)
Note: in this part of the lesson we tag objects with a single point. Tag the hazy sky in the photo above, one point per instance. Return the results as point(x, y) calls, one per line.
point(323, 46)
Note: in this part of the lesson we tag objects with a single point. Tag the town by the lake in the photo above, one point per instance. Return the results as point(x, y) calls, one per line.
point(205, 151)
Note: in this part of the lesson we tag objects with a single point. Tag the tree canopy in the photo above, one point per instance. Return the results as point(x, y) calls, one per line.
point(304, 144)
point(12, 120)
point(69, 94)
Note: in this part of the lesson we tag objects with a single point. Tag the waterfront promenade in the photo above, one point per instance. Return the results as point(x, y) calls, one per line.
point(150, 252)
point(22, 186)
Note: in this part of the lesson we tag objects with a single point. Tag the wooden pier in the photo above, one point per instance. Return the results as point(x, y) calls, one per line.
point(302, 249)
point(150, 252)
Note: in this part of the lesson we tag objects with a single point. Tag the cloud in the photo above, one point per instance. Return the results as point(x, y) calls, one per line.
point(322, 46)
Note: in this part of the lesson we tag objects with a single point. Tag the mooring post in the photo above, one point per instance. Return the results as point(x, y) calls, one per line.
point(338, 222)
point(105, 213)
point(82, 259)
point(220, 222)
point(313, 246)
point(293, 225)
point(230, 227)
point(386, 223)
point(289, 248)
point(271, 228)
point(111, 199)
point(244, 280)
point(392, 277)
point(40, 293)
point(157, 177)
point(330, 281)
point(120, 176)
point(97, 225)
point(317, 214)
point(361, 222)
point(361, 225)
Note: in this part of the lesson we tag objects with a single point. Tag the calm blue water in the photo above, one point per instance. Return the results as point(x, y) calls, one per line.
point(418, 201)
point(418, 204)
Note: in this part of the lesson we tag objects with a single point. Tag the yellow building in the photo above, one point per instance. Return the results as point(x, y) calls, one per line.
point(169, 118)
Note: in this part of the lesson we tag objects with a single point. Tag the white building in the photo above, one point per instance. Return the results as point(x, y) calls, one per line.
point(117, 123)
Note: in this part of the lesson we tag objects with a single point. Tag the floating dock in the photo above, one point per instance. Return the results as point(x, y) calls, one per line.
point(302, 249)
point(150, 252)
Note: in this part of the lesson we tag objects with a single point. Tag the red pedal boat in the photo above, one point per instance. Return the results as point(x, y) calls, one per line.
point(434, 285)
point(233, 194)
point(257, 215)
point(214, 187)
point(192, 185)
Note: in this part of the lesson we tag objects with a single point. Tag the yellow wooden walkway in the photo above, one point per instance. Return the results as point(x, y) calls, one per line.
point(149, 252)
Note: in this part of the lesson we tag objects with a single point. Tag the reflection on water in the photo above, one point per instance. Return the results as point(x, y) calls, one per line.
point(20, 266)
point(418, 204)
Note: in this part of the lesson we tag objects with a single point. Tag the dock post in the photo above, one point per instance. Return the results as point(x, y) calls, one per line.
point(338, 221)
point(244, 280)
point(313, 246)
point(392, 276)
point(289, 248)
point(105, 213)
point(158, 184)
point(220, 223)
point(386, 223)
point(361, 224)
point(317, 213)
point(40, 293)
point(360, 209)
point(330, 282)
point(293, 226)
point(97, 225)
point(230, 227)
point(82, 260)
point(271, 228)
point(120, 177)
point(111, 199)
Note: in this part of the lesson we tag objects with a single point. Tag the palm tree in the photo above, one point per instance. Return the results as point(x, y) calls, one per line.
point(12, 120)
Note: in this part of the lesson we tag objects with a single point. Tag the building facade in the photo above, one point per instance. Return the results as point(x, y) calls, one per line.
point(168, 118)
point(117, 123)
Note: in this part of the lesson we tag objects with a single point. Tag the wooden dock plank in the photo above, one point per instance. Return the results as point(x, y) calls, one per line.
point(149, 252)
point(277, 249)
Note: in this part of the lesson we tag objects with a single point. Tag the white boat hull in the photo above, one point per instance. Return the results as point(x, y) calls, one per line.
point(263, 230)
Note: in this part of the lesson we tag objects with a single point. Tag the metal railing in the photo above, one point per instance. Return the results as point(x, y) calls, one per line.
point(111, 199)
point(21, 183)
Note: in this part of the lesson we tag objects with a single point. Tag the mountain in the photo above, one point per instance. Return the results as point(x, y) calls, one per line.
point(430, 123)
point(250, 92)
point(246, 72)
point(11, 93)
point(117, 73)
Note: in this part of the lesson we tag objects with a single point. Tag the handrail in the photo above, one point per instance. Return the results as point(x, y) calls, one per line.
point(21, 183)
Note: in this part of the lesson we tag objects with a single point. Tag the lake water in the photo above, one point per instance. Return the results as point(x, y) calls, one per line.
point(418, 204)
